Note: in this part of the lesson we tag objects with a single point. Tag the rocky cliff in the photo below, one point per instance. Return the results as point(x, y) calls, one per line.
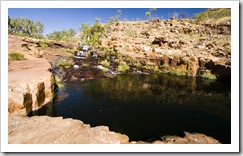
point(30, 86)
point(184, 46)
point(176, 45)
point(30, 82)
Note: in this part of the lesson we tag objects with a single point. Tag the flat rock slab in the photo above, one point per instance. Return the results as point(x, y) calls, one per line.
point(56, 130)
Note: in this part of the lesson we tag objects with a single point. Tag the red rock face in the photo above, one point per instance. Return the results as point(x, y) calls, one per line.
point(171, 40)
point(30, 83)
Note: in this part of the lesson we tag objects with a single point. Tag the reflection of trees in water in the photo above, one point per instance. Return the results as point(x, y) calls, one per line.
point(159, 89)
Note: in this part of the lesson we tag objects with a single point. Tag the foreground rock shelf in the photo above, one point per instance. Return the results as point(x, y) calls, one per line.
point(47, 130)
point(56, 130)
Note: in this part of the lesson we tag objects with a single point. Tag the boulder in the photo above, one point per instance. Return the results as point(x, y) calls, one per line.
point(30, 85)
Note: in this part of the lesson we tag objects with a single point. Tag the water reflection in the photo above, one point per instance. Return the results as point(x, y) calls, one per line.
point(147, 107)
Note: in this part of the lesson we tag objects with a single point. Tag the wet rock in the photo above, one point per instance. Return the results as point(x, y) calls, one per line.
point(220, 69)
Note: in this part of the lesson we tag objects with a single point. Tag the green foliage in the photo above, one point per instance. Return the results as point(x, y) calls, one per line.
point(15, 56)
point(65, 63)
point(94, 40)
point(70, 55)
point(60, 84)
point(91, 34)
point(209, 76)
point(44, 43)
point(123, 67)
point(25, 27)
point(85, 64)
point(149, 14)
point(71, 50)
point(137, 64)
point(105, 63)
point(64, 35)
point(213, 14)
point(149, 67)
point(178, 72)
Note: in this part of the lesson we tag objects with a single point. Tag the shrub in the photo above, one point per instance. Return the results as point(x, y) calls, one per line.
point(63, 35)
point(15, 56)
point(60, 85)
point(178, 72)
point(137, 64)
point(213, 14)
point(71, 50)
point(105, 63)
point(209, 76)
point(65, 63)
point(70, 55)
point(43, 43)
point(123, 67)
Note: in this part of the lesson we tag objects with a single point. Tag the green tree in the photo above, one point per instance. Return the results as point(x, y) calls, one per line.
point(64, 35)
point(91, 34)
point(25, 27)
point(150, 14)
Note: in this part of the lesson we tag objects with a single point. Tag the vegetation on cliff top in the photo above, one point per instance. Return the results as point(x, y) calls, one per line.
point(25, 27)
point(214, 14)
point(64, 35)
point(115, 38)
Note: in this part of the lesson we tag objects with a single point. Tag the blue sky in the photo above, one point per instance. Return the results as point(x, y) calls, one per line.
point(56, 19)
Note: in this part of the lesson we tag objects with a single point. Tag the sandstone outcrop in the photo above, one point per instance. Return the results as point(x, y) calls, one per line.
point(56, 130)
point(185, 45)
point(30, 82)
point(30, 85)
point(165, 42)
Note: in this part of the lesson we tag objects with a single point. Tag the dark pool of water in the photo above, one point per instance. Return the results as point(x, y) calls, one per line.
point(147, 107)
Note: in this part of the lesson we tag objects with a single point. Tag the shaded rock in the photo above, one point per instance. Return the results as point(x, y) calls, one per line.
point(193, 66)
point(194, 138)
point(219, 69)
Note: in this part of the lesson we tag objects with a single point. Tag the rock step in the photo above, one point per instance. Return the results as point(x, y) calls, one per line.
point(56, 130)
